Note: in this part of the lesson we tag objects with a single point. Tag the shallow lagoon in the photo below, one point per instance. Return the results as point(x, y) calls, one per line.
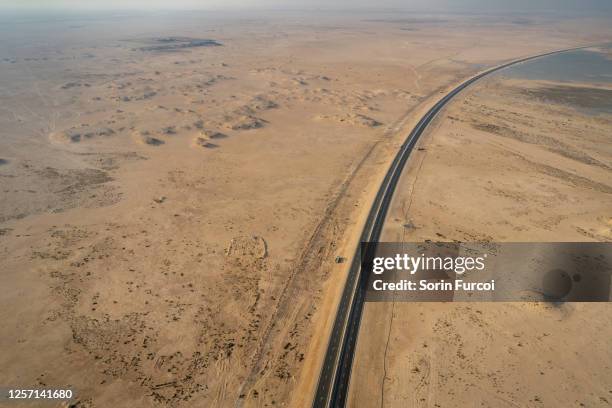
point(573, 66)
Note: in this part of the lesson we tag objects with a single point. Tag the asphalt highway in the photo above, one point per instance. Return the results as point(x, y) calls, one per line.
point(332, 389)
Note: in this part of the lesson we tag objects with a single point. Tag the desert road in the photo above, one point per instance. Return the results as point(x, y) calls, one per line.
point(336, 369)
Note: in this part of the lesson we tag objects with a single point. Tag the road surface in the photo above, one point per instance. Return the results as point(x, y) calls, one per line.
point(336, 370)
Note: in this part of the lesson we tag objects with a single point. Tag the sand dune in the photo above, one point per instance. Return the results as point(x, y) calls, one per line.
point(81, 133)
point(203, 142)
point(355, 119)
point(213, 134)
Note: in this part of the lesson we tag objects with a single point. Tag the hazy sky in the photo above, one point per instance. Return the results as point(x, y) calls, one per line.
point(451, 5)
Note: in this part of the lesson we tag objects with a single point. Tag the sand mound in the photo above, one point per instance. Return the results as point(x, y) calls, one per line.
point(81, 133)
point(146, 137)
point(245, 122)
point(70, 85)
point(202, 142)
point(169, 130)
point(260, 103)
point(355, 119)
point(362, 120)
point(299, 82)
point(152, 141)
point(257, 104)
point(213, 134)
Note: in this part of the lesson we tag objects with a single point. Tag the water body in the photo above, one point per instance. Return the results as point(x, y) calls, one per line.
point(572, 66)
point(574, 71)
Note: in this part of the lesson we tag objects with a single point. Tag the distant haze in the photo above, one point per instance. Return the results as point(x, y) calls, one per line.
point(563, 6)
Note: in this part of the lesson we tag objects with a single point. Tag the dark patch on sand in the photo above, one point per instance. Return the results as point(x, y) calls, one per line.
point(552, 144)
point(75, 180)
point(3, 162)
point(213, 134)
point(200, 141)
point(567, 177)
point(110, 161)
point(169, 130)
point(81, 133)
point(245, 122)
point(172, 44)
point(54, 190)
point(591, 99)
point(152, 141)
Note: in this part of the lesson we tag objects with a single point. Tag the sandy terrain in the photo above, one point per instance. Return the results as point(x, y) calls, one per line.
point(176, 189)
point(510, 160)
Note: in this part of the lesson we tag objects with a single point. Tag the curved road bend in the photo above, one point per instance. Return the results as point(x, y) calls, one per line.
point(336, 370)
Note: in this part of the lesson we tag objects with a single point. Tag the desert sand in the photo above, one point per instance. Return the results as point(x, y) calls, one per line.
point(177, 188)
point(510, 160)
